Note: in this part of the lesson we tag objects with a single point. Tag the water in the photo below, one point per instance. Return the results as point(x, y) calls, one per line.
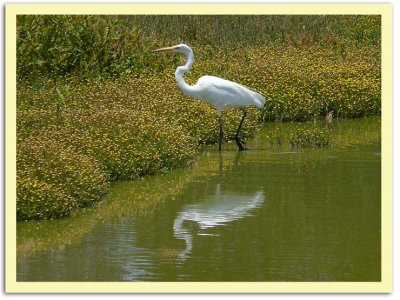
point(269, 214)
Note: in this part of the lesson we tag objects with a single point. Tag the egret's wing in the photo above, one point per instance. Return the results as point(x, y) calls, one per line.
point(221, 92)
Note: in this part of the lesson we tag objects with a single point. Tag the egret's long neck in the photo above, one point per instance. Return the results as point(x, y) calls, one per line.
point(180, 72)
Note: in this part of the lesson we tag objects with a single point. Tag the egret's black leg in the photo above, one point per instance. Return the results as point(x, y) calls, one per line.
point(238, 140)
point(241, 122)
point(221, 133)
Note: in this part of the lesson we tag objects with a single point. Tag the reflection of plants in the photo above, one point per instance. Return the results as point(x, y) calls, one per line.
point(340, 133)
point(357, 132)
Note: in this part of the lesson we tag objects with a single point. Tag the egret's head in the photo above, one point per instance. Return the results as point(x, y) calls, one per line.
point(181, 48)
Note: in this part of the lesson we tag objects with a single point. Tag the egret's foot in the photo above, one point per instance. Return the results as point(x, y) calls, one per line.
point(241, 144)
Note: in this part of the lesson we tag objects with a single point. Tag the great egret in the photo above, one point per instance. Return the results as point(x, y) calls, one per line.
point(216, 91)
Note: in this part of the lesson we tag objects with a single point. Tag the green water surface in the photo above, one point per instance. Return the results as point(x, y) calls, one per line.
point(269, 214)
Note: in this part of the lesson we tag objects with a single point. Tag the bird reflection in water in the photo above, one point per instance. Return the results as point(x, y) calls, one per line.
point(213, 211)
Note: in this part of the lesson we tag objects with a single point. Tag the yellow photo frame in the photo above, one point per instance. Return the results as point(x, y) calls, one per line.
point(13, 286)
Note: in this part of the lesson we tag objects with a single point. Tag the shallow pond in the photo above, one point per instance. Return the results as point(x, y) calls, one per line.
point(269, 214)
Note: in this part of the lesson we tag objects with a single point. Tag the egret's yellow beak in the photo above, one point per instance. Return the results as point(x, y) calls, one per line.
point(165, 49)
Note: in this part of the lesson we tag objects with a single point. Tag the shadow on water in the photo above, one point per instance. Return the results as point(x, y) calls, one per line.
point(270, 214)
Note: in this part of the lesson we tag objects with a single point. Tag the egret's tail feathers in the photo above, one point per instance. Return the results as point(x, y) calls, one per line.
point(259, 100)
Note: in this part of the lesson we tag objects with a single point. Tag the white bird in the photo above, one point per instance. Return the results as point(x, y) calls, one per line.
point(216, 91)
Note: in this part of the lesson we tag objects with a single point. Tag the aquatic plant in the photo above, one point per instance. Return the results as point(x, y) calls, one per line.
point(300, 135)
point(310, 138)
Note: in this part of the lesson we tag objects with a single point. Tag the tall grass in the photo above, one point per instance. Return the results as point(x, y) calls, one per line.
point(112, 46)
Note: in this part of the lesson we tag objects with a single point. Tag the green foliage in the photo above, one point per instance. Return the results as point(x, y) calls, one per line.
point(130, 144)
point(302, 84)
point(234, 31)
point(53, 179)
point(112, 46)
point(62, 45)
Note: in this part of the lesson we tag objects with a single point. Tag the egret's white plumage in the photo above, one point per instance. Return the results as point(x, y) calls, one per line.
point(220, 93)
point(223, 93)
